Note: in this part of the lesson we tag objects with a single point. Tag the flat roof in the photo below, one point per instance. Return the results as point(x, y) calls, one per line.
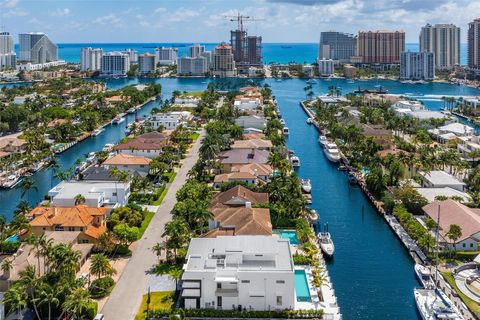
point(431, 193)
point(68, 189)
point(441, 177)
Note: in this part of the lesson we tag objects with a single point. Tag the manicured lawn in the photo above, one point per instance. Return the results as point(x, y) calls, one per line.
point(158, 301)
point(160, 199)
point(172, 177)
point(475, 307)
point(146, 222)
point(194, 136)
point(196, 94)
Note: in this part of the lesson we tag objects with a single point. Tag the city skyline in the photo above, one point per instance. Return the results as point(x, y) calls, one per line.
point(204, 21)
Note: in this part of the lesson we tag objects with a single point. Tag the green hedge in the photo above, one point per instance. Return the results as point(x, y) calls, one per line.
point(91, 311)
point(213, 313)
point(8, 247)
point(101, 287)
point(301, 260)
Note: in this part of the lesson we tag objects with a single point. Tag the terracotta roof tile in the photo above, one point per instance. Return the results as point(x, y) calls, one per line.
point(236, 196)
point(126, 159)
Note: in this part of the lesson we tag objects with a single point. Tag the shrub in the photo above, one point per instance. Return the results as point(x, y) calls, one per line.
point(101, 287)
point(8, 247)
point(299, 259)
point(91, 310)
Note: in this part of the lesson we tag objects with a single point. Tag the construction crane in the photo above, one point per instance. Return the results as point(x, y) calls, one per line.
point(239, 18)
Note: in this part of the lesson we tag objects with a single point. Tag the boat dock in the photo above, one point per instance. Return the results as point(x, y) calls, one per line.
point(414, 251)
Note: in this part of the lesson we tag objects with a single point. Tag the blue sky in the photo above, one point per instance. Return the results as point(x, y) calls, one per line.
point(74, 21)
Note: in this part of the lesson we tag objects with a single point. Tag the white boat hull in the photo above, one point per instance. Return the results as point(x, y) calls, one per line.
point(332, 157)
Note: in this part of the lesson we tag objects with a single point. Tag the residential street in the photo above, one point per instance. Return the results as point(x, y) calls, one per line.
point(126, 297)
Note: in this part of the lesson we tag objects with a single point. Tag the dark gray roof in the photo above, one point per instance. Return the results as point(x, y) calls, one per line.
point(98, 174)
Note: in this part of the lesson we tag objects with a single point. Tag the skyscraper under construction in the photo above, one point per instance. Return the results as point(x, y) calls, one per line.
point(247, 50)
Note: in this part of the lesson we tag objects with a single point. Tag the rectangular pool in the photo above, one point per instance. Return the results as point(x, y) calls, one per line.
point(288, 234)
point(301, 286)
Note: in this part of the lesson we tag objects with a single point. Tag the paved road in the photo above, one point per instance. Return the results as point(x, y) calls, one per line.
point(126, 297)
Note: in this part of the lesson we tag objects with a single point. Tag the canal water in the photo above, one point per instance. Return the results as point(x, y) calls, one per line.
point(372, 273)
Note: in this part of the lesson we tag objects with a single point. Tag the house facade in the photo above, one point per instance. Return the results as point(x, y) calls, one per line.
point(241, 272)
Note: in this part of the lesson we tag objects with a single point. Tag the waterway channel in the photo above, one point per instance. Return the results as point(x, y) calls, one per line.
point(372, 273)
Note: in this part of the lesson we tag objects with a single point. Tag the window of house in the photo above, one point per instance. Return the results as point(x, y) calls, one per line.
point(71, 228)
point(280, 281)
point(279, 300)
point(114, 194)
point(463, 245)
point(219, 301)
point(245, 281)
point(471, 245)
point(219, 286)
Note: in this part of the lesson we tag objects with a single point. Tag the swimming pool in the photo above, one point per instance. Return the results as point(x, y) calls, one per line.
point(301, 286)
point(288, 234)
point(13, 238)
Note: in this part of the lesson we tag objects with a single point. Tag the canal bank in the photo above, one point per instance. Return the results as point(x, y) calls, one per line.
point(371, 272)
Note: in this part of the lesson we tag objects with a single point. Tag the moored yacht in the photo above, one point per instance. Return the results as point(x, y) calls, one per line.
point(424, 276)
point(11, 181)
point(326, 243)
point(295, 161)
point(118, 119)
point(286, 131)
point(96, 132)
point(108, 147)
point(306, 185)
point(433, 305)
point(309, 121)
point(332, 152)
point(323, 141)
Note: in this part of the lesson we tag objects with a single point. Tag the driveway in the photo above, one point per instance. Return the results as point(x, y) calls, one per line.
point(126, 297)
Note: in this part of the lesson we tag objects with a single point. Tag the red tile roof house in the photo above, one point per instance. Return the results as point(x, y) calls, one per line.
point(149, 145)
point(231, 158)
point(453, 212)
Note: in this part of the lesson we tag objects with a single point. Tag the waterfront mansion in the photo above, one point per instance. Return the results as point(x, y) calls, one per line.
point(241, 273)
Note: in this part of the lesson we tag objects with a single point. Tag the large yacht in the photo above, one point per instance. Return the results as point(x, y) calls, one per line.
point(326, 243)
point(323, 141)
point(332, 152)
point(306, 185)
point(434, 305)
point(424, 276)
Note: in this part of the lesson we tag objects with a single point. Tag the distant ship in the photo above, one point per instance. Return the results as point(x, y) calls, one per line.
point(286, 47)
point(380, 90)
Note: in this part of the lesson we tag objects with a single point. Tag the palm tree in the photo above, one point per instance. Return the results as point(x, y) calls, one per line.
point(178, 232)
point(454, 233)
point(16, 298)
point(100, 266)
point(28, 277)
point(76, 303)
point(158, 248)
point(6, 266)
point(79, 199)
point(27, 184)
point(48, 295)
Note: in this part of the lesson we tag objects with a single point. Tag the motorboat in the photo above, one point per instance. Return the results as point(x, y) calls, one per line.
point(424, 276)
point(91, 157)
point(306, 185)
point(96, 132)
point(332, 152)
point(295, 161)
point(326, 243)
point(286, 131)
point(434, 305)
point(131, 110)
point(313, 215)
point(352, 179)
point(11, 181)
point(108, 147)
point(311, 81)
point(282, 121)
point(309, 120)
point(118, 119)
point(342, 167)
point(323, 141)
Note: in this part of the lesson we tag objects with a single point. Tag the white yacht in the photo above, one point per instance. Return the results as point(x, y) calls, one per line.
point(311, 81)
point(326, 243)
point(295, 161)
point(282, 121)
point(323, 141)
point(434, 305)
point(96, 132)
point(424, 276)
point(108, 147)
point(286, 131)
point(332, 152)
point(118, 119)
point(309, 120)
point(306, 185)
point(91, 157)
point(11, 181)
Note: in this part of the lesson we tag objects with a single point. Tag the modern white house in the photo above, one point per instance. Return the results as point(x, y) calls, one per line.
point(96, 193)
point(170, 120)
point(452, 131)
point(468, 144)
point(441, 179)
point(240, 272)
point(247, 103)
point(432, 193)
point(255, 122)
point(187, 101)
point(415, 109)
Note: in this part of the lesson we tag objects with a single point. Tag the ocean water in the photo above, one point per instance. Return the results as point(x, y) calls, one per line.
point(272, 52)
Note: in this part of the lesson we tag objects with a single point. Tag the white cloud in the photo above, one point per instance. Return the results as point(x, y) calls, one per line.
point(110, 20)
point(15, 12)
point(9, 3)
point(160, 10)
point(59, 12)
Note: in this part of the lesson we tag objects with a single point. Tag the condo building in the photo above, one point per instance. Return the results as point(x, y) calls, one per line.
point(37, 48)
point(240, 272)
point(325, 67)
point(381, 46)
point(166, 56)
point(192, 66)
point(474, 44)
point(8, 56)
point(132, 55)
point(337, 46)
point(91, 59)
point(147, 63)
point(417, 66)
point(115, 64)
point(247, 50)
point(223, 61)
point(444, 41)
point(196, 50)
